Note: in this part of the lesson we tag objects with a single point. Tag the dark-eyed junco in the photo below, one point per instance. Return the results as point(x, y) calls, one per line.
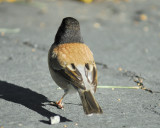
point(72, 65)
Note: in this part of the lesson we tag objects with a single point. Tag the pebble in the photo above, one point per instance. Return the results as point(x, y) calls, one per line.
point(97, 25)
point(120, 69)
point(143, 17)
point(54, 119)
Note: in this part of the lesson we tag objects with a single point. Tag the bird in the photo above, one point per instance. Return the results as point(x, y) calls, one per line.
point(72, 66)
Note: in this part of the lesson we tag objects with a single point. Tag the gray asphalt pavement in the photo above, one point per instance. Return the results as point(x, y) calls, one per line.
point(123, 34)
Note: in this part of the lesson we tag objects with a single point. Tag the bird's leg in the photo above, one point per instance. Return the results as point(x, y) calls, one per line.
point(59, 103)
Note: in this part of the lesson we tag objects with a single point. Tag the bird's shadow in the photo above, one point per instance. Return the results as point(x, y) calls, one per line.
point(27, 98)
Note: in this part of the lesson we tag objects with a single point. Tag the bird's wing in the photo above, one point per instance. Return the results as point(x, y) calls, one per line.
point(91, 74)
point(77, 76)
point(75, 63)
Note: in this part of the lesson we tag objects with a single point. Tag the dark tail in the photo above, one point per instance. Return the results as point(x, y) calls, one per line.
point(89, 103)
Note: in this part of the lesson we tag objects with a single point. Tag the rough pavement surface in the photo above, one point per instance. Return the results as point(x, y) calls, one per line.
point(122, 34)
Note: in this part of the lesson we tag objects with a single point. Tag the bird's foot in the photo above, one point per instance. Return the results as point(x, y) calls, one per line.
point(59, 105)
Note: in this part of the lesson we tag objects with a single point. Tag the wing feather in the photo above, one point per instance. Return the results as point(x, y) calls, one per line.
point(75, 76)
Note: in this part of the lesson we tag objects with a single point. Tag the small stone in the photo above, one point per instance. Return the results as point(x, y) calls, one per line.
point(52, 103)
point(54, 119)
point(143, 17)
point(33, 49)
point(97, 25)
point(2, 33)
point(120, 69)
point(19, 124)
point(58, 88)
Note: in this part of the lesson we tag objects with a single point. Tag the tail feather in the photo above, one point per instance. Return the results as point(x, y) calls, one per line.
point(89, 103)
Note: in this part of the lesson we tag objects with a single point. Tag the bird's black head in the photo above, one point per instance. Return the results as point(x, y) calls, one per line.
point(68, 32)
point(70, 23)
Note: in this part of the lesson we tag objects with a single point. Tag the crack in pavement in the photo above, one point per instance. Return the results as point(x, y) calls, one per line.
point(152, 109)
point(29, 44)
